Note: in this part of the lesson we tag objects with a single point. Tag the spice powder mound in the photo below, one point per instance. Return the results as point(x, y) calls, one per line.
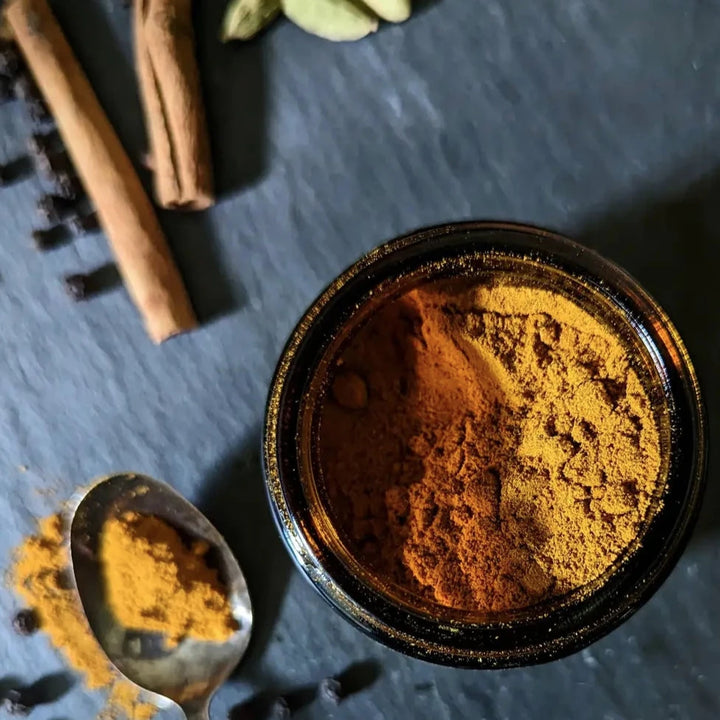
point(154, 582)
point(488, 447)
point(41, 576)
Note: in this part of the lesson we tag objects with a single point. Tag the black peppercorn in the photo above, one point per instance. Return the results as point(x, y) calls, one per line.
point(331, 690)
point(26, 622)
point(77, 286)
point(83, 224)
point(14, 703)
point(53, 208)
point(4, 176)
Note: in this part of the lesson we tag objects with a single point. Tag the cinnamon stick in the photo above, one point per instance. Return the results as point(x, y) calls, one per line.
point(105, 170)
point(172, 100)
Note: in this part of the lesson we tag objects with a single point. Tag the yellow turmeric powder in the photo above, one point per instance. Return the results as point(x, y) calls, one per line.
point(40, 575)
point(155, 583)
point(506, 450)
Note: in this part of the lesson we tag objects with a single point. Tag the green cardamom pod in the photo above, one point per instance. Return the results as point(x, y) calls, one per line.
point(391, 10)
point(332, 19)
point(246, 18)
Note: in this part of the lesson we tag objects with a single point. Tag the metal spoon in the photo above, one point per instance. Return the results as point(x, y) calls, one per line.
point(190, 673)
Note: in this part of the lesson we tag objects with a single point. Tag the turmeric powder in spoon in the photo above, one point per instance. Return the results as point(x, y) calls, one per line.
point(154, 582)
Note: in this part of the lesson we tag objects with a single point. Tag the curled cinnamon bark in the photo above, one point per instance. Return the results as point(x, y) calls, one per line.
point(172, 100)
point(123, 208)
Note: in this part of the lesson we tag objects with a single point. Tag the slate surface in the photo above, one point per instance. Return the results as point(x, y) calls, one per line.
point(598, 119)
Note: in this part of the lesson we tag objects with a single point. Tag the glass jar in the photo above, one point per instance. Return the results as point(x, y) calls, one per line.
point(391, 614)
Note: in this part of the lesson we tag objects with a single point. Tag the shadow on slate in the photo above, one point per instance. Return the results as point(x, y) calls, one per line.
point(48, 689)
point(7, 683)
point(672, 245)
point(103, 279)
point(196, 254)
point(234, 500)
point(359, 676)
point(113, 78)
point(234, 84)
point(17, 169)
point(261, 705)
point(421, 6)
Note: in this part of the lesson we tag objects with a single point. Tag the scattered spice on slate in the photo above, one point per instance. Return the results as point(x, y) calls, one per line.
point(331, 690)
point(509, 451)
point(39, 576)
point(26, 622)
point(77, 286)
point(53, 208)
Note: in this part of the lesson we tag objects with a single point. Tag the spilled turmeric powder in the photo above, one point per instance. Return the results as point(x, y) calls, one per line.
point(41, 576)
point(506, 450)
point(155, 583)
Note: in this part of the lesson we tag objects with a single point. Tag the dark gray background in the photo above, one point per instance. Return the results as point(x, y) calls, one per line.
point(599, 119)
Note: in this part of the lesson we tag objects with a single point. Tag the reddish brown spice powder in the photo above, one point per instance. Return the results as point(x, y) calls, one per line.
point(488, 447)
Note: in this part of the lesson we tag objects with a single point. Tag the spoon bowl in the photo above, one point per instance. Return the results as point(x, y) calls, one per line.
point(189, 673)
